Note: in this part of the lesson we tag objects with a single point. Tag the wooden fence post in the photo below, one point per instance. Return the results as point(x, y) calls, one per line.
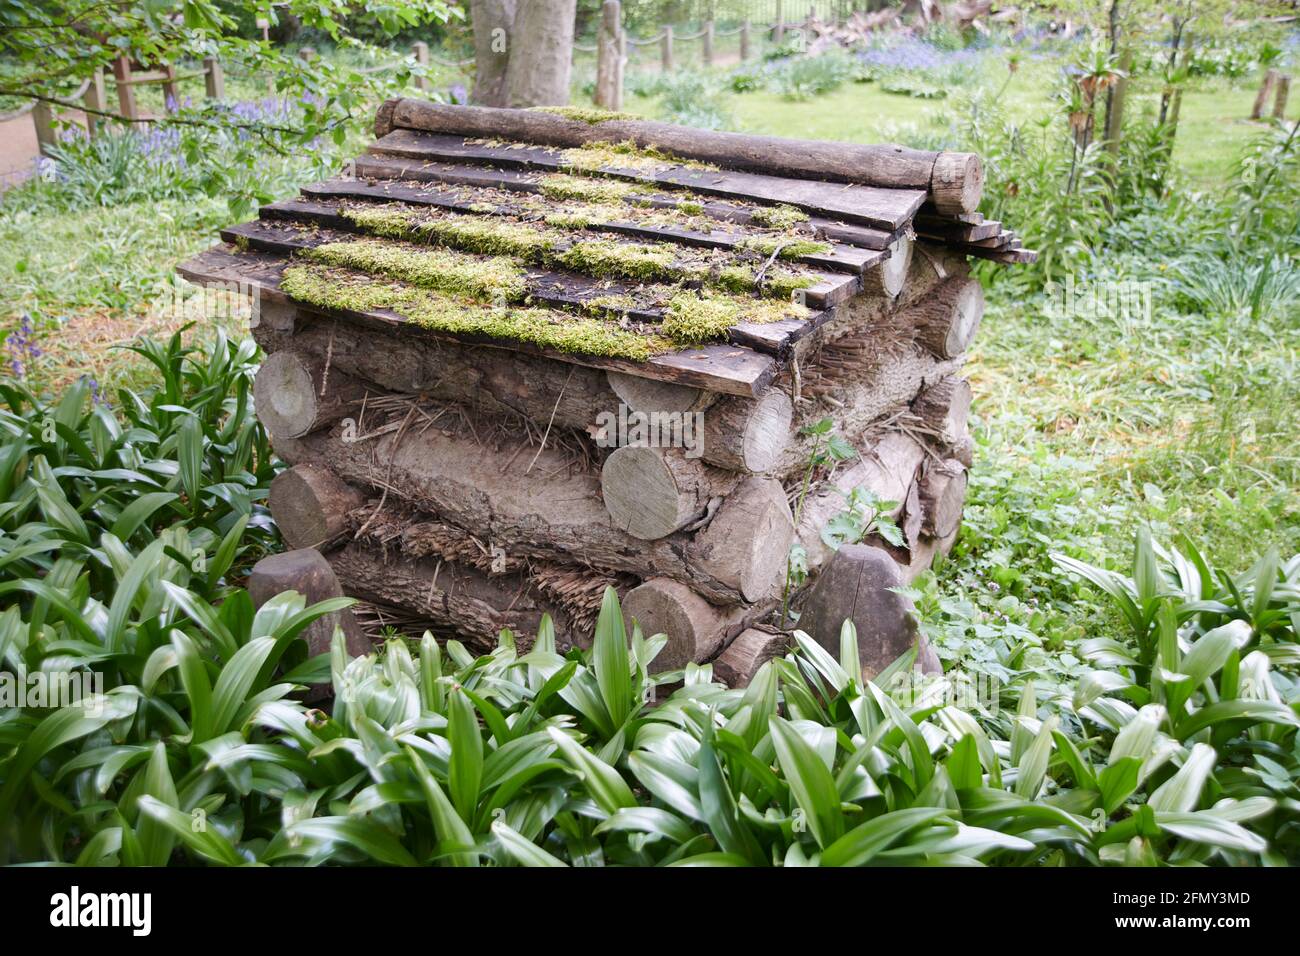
point(706, 52)
point(1283, 91)
point(95, 100)
point(1115, 114)
point(171, 92)
point(666, 49)
point(744, 40)
point(125, 92)
point(214, 80)
point(264, 25)
point(43, 118)
point(778, 31)
point(421, 50)
point(609, 78)
point(1265, 91)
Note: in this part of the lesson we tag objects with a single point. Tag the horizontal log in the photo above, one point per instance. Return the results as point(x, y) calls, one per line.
point(887, 469)
point(947, 318)
point(740, 661)
point(737, 433)
point(539, 505)
point(943, 408)
point(453, 598)
point(954, 181)
point(696, 630)
point(310, 505)
point(651, 492)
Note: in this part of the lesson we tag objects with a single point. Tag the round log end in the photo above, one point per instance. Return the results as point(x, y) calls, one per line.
point(968, 310)
point(943, 495)
point(310, 505)
point(746, 544)
point(648, 395)
point(768, 431)
point(891, 274)
point(957, 183)
point(641, 493)
point(858, 585)
point(694, 628)
point(285, 395)
point(384, 117)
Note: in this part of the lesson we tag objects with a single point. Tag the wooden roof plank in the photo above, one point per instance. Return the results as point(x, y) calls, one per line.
point(887, 209)
point(841, 257)
point(726, 368)
point(829, 290)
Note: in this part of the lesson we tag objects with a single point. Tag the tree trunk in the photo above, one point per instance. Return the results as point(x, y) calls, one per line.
point(523, 52)
point(541, 56)
point(494, 22)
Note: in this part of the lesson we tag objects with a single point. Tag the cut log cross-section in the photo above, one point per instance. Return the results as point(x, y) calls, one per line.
point(310, 505)
point(748, 434)
point(746, 544)
point(651, 492)
point(696, 630)
point(298, 394)
point(946, 320)
point(890, 277)
point(547, 508)
point(942, 491)
point(944, 409)
point(742, 659)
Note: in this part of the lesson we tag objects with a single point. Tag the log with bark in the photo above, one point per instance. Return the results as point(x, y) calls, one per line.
point(539, 504)
point(456, 598)
point(953, 181)
point(296, 394)
point(739, 433)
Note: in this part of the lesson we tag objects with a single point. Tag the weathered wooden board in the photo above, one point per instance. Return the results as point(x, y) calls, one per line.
point(730, 369)
point(842, 257)
point(399, 179)
point(887, 209)
point(949, 231)
point(830, 289)
point(1007, 255)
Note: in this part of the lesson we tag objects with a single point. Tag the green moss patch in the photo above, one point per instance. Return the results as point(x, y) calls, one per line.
point(550, 247)
point(777, 217)
point(784, 247)
point(494, 279)
point(693, 319)
point(329, 288)
point(595, 157)
point(584, 114)
point(588, 188)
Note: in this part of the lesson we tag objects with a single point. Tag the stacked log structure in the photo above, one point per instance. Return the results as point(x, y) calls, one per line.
point(484, 379)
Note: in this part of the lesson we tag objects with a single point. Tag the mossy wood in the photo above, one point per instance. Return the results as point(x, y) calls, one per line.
point(460, 335)
point(953, 182)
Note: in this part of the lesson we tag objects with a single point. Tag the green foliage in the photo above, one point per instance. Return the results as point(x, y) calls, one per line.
point(534, 759)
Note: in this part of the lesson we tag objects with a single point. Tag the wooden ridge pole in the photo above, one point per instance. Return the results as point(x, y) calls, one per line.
point(954, 181)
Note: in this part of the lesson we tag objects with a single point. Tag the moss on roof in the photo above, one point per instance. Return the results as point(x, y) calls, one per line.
point(337, 289)
point(584, 114)
point(497, 279)
point(550, 246)
point(594, 157)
